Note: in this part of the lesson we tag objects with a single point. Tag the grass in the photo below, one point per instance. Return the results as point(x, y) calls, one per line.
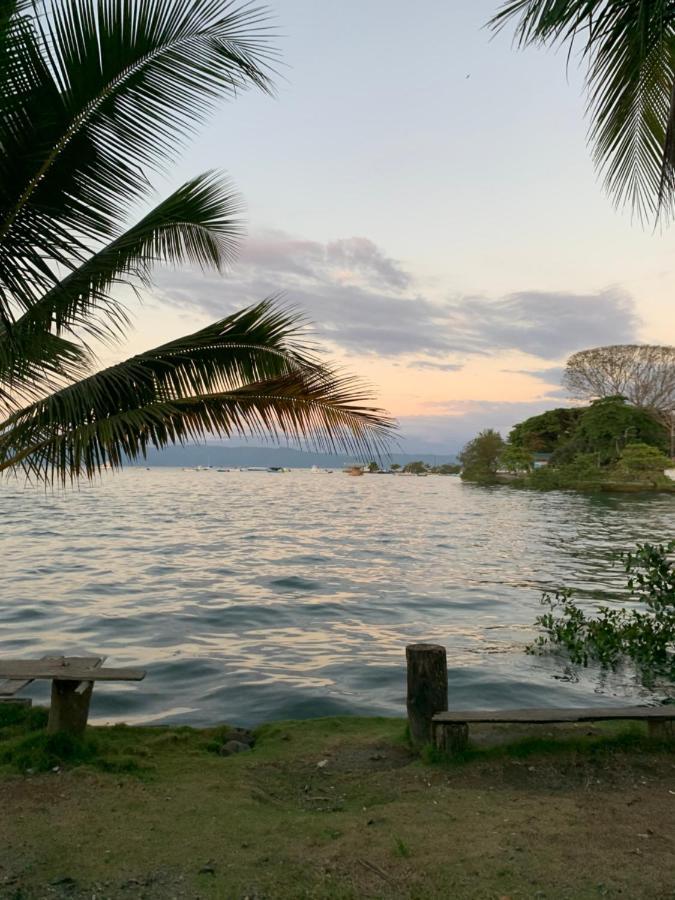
point(333, 808)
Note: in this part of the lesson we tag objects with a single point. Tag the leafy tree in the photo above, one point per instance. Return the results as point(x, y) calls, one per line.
point(645, 635)
point(395, 467)
point(417, 467)
point(608, 425)
point(627, 47)
point(642, 460)
point(643, 374)
point(516, 460)
point(480, 457)
point(446, 469)
point(546, 432)
point(373, 467)
point(95, 96)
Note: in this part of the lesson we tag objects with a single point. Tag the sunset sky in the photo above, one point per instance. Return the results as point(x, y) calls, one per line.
point(425, 194)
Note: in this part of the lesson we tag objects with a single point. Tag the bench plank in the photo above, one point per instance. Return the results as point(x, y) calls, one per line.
point(65, 671)
point(552, 715)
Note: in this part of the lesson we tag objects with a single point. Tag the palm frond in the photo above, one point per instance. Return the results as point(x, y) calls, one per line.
point(99, 92)
point(245, 375)
point(198, 223)
point(629, 49)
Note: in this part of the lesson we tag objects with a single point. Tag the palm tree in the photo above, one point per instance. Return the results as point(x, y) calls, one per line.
point(94, 94)
point(629, 49)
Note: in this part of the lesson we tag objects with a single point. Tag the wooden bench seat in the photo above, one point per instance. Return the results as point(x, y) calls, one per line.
point(450, 730)
point(72, 680)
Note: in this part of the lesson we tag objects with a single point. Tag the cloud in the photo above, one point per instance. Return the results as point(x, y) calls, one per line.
point(552, 375)
point(364, 302)
point(442, 367)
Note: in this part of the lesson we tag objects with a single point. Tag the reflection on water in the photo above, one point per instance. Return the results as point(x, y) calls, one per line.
point(251, 596)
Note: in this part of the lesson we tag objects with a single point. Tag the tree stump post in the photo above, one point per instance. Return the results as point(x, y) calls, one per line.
point(70, 706)
point(427, 689)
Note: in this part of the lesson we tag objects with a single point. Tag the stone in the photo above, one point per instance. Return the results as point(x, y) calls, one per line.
point(242, 735)
point(231, 747)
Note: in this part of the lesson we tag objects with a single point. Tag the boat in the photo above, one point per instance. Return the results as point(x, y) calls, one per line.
point(354, 470)
point(277, 469)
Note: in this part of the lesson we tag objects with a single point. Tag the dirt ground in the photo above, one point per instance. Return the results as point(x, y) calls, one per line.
point(339, 808)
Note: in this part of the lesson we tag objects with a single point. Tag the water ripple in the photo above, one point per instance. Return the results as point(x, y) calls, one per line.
point(259, 597)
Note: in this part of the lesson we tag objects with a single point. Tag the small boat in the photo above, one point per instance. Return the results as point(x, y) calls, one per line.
point(254, 469)
point(277, 469)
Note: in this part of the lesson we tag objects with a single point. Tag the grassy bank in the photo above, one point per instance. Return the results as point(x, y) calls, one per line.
point(334, 808)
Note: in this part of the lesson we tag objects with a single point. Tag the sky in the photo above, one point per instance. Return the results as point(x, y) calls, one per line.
point(424, 193)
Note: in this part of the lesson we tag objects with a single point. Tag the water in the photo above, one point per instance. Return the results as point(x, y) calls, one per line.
point(250, 596)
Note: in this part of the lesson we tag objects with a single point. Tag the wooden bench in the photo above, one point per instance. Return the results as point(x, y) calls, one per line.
point(72, 679)
point(450, 730)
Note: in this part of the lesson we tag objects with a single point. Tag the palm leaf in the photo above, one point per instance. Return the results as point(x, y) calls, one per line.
point(629, 48)
point(248, 374)
point(101, 91)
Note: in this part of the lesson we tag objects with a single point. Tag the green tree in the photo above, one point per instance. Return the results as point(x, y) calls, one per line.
point(627, 46)
point(516, 460)
point(395, 467)
point(608, 425)
point(641, 460)
point(95, 96)
point(373, 467)
point(480, 457)
point(446, 469)
point(546, 432)
point(417, 467)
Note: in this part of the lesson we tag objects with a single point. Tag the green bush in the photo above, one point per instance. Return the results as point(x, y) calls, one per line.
point(644, 636)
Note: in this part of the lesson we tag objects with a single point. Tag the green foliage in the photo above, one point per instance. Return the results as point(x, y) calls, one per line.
point(608, 425)
point(416, 467)
point(546, 432)
point(395, 467)
point(627, 49)
point(97, 96)
point(644, 635)
point(373, 466)
point(640, 460)
point(516, 460)
point(480, 457)
point(446, 469)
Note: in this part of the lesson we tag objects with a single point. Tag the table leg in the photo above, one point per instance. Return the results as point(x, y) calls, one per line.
point(70, 706)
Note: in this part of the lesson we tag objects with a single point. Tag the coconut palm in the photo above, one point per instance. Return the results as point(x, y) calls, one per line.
point(94, 96)
point(628, 47)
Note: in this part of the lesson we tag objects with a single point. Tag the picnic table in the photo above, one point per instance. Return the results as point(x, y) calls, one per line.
point(72, 679)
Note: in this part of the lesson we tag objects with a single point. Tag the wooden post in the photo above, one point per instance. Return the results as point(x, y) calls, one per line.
point(427, 689)
point(451, 737)
point(70, 706)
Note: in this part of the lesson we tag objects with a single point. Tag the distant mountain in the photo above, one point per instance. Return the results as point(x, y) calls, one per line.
point(220, 455)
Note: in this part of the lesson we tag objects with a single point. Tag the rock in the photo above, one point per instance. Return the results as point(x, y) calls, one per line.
point(208, 869)
point(241, 735)
point(233, 747)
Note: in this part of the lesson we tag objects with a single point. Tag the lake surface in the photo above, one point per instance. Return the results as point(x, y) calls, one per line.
point(251, 596)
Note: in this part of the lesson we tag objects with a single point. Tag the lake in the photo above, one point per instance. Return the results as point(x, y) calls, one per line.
point(252, 596)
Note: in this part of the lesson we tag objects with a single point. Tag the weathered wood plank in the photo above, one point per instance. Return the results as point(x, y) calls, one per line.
point(14, 685)
point(34, 669)
point(552, 715)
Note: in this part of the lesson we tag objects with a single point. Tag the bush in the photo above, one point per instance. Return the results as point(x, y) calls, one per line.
point(644, 636)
